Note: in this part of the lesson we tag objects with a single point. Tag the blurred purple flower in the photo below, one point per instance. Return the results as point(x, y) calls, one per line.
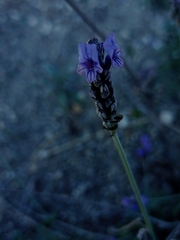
point(112, 238)
point(130, 202)
point(140, 152)
point(146, 146)
point(88, 61)
point(146, 143)
point(125, 201)
point(114, 52)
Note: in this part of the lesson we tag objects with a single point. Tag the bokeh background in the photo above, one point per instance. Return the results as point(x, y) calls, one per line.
point(60, 174)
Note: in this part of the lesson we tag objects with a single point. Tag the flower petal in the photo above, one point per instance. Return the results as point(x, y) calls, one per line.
point(81, 52)
point(98, 68)
point(88, 61)
point(92, 52)
point(113, 51)
point(109, 45)
point(116, 59)
point(91, 76)
point(81, 69)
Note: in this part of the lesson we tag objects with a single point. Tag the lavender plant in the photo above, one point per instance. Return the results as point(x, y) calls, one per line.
point(97, 70)
point(96, 67)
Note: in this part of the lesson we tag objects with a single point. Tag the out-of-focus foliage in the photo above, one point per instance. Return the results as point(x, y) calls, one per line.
point(59, 172)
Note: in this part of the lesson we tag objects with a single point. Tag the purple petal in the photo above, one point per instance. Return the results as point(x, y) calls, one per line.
point(113, 51)
point(140, 152)
point(125, 202)
point(146, 143)
point(109, 44)
point(92, 52)
point(144, 199)
point(81, 69)
point(91, 76)
point(99, 68)
point(112, 238)
point(88, 61)
point(116, 59)
point(87, 51)
point(82, 52)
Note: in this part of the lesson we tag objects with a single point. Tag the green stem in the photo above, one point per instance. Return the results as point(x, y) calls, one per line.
point(132, 182)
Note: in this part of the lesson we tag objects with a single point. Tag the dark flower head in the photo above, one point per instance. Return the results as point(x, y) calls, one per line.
point(88, 61)
point(97, 71)
point(114, 52)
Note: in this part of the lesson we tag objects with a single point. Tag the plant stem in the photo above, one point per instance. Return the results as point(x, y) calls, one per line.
point(132, 182)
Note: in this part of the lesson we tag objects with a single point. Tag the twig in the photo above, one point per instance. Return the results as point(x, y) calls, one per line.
point(86, 20)
point(63, 147)
point(175, 234)
point(131, 96)
point(27, 219)
point(56, 225)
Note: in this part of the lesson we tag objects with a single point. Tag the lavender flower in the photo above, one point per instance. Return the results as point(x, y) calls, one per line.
point(96, 69)
point(114, 52)
point(112, 238)
point(131, 203)
point(88, 61)
point(146, 146)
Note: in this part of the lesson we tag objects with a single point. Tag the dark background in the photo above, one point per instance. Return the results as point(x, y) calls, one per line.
point(60, 174)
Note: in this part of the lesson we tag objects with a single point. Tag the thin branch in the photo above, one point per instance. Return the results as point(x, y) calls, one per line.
point(86, 20)
point(50, 222)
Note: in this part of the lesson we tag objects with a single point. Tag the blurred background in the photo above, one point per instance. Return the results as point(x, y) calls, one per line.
point(60, 174)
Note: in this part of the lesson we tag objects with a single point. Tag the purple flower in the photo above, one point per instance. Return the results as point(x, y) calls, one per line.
point(146, 146)
point(140, 152)
point(146, 143)
point(113, 51)
point(112, 238)
point(130, 202)
point(88, 61)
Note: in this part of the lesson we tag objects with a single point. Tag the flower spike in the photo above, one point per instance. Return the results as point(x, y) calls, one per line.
point(88, 61)
point(98, 75)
